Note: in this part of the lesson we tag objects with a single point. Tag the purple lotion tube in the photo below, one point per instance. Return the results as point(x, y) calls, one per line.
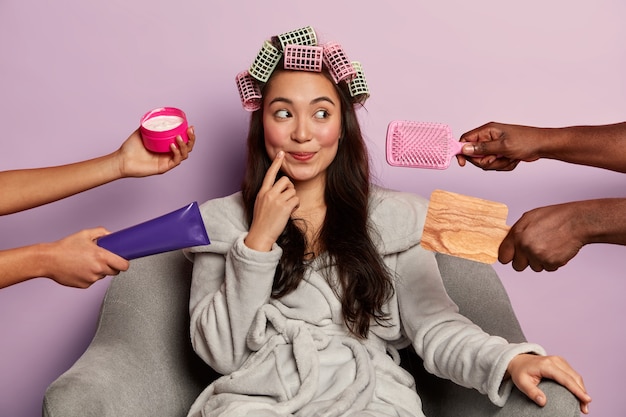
point(178, 229)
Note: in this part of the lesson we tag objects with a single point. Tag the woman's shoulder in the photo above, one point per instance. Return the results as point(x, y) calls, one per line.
point(398, 217)
point(224, 217)
point(230, 202)
point(386, 198)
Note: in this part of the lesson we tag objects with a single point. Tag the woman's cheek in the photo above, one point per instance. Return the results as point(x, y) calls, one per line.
point(329, 136)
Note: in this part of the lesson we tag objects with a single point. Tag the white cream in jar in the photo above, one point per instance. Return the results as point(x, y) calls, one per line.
point(162, 123)
point(161, 126)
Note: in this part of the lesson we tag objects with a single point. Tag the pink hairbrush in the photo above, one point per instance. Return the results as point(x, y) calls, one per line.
point(421, 144)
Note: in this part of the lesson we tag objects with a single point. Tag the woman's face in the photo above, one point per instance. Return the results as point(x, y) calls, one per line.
point(302, 117)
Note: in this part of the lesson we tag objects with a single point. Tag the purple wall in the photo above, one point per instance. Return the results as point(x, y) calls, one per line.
point(76, 77)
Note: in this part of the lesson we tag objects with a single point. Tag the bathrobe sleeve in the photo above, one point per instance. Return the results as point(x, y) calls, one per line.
point(230, 283)
point(450, 344)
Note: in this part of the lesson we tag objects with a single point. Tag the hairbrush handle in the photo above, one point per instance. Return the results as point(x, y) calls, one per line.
point(457, 149)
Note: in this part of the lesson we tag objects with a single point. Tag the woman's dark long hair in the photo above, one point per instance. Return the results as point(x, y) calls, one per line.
point(366, 283)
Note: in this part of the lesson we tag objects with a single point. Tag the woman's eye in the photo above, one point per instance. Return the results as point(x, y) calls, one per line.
point(282, 114)
point(321, 114)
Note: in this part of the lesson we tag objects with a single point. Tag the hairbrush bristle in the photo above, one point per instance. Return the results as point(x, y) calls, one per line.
point(419, 144)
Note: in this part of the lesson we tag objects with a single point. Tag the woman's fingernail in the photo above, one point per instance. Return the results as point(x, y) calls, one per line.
point(468, 149)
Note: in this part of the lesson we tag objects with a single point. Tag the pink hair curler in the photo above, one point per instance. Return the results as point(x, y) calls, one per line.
point(337, 62)
point(421, 144)
point(159, 128)
point(249, 91)
point(303, 57)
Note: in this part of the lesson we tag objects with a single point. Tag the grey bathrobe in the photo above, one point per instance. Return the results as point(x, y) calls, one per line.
point(294, 356)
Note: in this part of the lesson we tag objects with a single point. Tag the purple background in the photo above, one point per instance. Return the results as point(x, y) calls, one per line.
point(76, 76)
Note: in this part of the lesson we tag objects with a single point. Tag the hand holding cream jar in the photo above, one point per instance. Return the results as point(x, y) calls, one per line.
point(159, 128)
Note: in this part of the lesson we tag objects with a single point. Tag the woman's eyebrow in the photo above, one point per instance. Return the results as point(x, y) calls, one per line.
point(281, 99)
point(314, 101)
point(323, 98)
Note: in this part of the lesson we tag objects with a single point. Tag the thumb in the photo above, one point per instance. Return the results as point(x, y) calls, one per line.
point(532, 391)
point(506, 250)
point(538, 397)
point(97, 232)
point(482, 148)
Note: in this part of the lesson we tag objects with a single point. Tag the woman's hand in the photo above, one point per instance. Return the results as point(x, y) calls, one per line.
point(527, 370)
point(274, 204)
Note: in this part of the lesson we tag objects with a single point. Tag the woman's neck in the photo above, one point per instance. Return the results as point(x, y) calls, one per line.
point(311, 195)
point(310, 214)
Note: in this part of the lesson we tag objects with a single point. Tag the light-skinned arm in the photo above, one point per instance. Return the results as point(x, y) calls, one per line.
point(77, 260)
point(27, 188)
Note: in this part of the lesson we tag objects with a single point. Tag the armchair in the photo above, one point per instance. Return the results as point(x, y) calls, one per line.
point(140, 361)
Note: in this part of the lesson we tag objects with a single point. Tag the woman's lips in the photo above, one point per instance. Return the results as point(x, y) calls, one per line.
point(302, 156)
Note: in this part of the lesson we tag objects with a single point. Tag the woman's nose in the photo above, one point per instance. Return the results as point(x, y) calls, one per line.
point(301, 132)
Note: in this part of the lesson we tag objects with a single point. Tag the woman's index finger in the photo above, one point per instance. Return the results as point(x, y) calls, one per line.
point(272, 172)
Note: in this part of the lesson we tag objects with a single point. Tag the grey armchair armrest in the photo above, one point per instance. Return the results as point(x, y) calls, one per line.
point(140, 361)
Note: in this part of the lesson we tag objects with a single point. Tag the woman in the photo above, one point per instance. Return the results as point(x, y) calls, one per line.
point(315, 277)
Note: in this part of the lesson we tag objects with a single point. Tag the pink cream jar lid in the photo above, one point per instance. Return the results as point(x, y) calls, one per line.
point(159, 128)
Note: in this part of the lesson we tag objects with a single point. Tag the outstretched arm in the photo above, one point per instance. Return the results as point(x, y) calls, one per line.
point(548, 237)
point(75, 261)
point(503, 146)
point(28, 188)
